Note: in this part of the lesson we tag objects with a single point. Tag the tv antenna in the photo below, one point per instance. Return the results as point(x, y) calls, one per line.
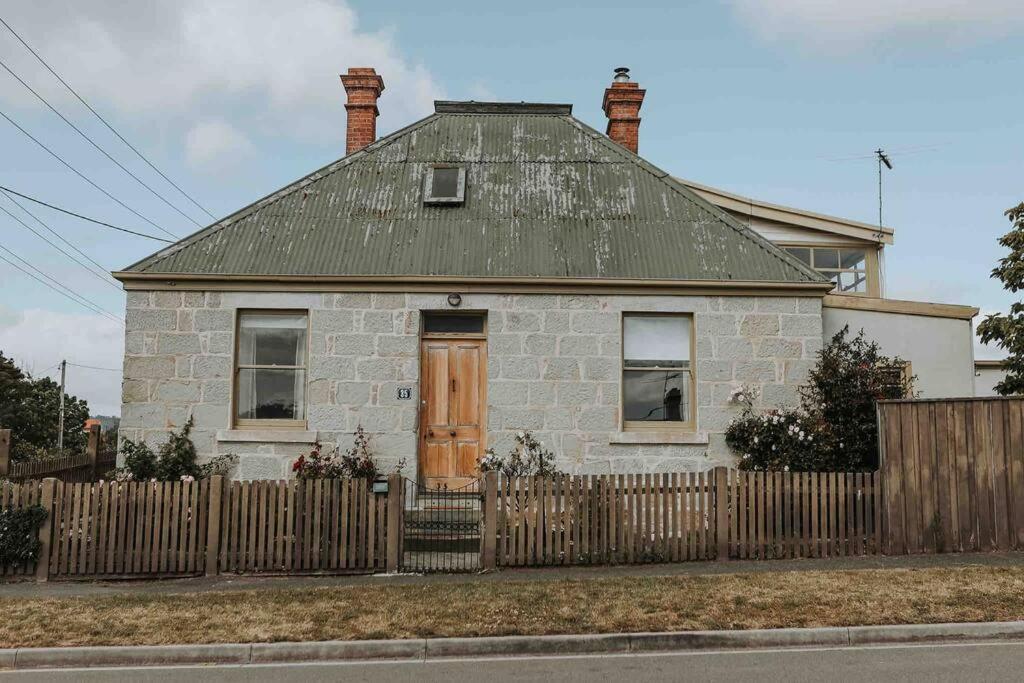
point(883, 158)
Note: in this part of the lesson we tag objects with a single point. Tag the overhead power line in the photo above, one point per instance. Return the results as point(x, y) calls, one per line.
point(57, 286)
point(92, 142)
point(103, 120)
point(83, 176)
point(93, 367)
point(9, 191)
point(101, 278)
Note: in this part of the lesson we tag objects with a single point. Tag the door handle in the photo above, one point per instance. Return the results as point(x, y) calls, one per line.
point(452, 432)
point(453, 385)
point(430, 432)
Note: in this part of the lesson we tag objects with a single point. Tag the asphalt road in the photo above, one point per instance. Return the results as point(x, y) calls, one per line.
point(933, 663)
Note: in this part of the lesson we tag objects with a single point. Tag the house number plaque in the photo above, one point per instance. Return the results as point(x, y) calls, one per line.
point(404, 393)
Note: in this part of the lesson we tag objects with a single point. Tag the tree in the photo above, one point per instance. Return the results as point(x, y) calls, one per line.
point(1007, 331)
point(835, 428)
point(29, 408)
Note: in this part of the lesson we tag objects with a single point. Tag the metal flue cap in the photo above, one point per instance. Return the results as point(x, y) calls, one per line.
point(621, 74)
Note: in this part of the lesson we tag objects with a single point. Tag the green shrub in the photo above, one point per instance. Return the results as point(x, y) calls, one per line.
point(19, 535)
point(835, 428)
point(175, 460)
point(528, 457)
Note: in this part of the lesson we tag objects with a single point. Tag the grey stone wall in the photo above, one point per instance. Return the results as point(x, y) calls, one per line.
point(554, 364)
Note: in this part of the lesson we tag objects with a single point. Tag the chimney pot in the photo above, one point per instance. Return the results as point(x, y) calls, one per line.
point(363, 86)
point(621, 105)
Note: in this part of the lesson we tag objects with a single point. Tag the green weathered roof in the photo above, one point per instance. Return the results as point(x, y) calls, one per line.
point(546, 196)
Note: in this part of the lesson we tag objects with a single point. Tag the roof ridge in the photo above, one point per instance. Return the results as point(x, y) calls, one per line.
point(701, 203)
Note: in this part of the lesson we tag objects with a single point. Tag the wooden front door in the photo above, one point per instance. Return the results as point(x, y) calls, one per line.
point(453, 398)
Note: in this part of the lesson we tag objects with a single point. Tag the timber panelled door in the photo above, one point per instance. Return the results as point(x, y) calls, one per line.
point(453, 399)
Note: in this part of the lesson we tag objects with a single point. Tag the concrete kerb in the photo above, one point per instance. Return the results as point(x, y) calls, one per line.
point(440, 648)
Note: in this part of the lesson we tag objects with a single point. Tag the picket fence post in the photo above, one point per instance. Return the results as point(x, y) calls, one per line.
point(489, 545)
point(45, 530)
point(5, 452)
point(395, 521)
point(213, 525)
point(722, 512)
point(93, 450)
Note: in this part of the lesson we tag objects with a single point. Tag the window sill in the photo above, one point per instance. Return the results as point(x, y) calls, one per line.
point(666, 437)
point(267, 436)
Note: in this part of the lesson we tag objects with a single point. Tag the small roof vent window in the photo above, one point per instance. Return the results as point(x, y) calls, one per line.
point(445, 185)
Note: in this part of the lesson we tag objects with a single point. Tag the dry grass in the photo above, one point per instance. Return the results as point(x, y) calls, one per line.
point(737, 601)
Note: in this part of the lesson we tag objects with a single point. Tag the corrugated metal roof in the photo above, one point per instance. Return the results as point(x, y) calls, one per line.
point(546, 196)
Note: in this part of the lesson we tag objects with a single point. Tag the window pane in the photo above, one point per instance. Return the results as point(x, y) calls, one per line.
point(272, 339)
point(826, 258)
point(271, 394)
point(802, 253)
point(852, 259)
point(853, 282)
point(445, 182)
point(453, 323)
point(656, 396)
point(656, 341)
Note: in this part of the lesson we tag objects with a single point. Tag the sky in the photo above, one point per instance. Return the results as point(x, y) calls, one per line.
point(781, 100)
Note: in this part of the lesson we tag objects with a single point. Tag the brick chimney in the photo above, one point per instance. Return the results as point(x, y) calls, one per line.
point(622, 107)
point(363, 86)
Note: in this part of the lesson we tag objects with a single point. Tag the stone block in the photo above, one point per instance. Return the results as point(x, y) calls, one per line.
point(134, 343)
point(558, 419)
point(375, 418)
point(134, 391)
point(578, 345)
point(256, 466)
point(738, 304)
point(378, 321)
point(177, 391)
point(148, 367)
point(714, 370)
point(521, 321)
point(796, 370)
point(800, 326)
point(216, 391)
point(779, 348)
point(600, 369)
point(193, 299)
point(540, 344)
point(733, 348)
point(352, 393)
point(556, 321)
point(336, 367)
point(210, 416)
point(352, 300)
point(403, 345)
point(352, 344)
point(177, 343)
point(505, 344)
point(139, 319)
point(390, 302)
point(759, 325)
point(213, 320)
point(520, 367)
point(755, 370)
point(213, 299)
point(532, 302)
point(522, 418)
point(561, 368)
point(503, 393)
point(212, 367)
point(139, 299)
point(332, 321)
point(810, 305)
point(595, 323)
point(541, 394)
point(598, 419)
point(220, 342)
point(167, 299)
point(377, 369)
point(776, 305)
point(576, 393)
point(581, 301)
point(718, 324)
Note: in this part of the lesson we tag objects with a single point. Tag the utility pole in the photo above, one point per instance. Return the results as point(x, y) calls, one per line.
point(882, 159)
point(60, 415)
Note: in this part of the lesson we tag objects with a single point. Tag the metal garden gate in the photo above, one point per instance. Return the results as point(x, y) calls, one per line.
point(442, 528)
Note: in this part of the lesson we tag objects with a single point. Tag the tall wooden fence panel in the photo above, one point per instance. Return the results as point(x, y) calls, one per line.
point(297, 526)
point(91, 465)
point(953, 473)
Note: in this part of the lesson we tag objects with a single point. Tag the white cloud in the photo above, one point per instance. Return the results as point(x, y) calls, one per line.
point(844, 25)
point(261, 64)
point(38, 339)
point(216, 146)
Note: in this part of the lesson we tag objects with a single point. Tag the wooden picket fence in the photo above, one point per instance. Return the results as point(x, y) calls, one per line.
point(179, 528)
point(91, 465)
point(675, 517)
point(303, 526)
point(954, 474)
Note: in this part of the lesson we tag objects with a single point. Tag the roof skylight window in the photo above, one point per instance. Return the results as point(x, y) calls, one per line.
point(445, 185)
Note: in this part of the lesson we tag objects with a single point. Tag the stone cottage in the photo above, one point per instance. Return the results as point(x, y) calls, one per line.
point(491, 268)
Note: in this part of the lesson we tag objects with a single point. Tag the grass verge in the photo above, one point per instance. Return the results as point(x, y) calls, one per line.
point(733, 601)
